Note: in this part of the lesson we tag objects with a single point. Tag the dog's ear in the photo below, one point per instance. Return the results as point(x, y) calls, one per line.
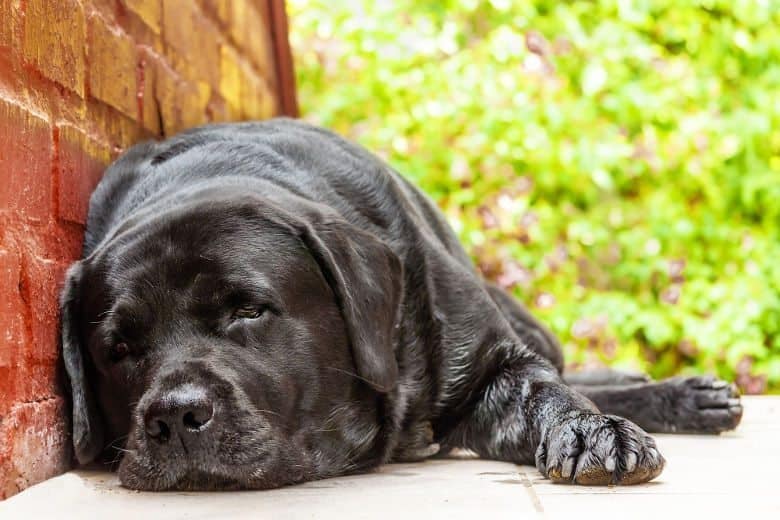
point(367, 279)
point(87, 428)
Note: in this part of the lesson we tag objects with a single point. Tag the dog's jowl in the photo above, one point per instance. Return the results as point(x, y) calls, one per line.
point(261, 304)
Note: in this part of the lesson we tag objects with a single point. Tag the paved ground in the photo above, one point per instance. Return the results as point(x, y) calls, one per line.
point(731, 476)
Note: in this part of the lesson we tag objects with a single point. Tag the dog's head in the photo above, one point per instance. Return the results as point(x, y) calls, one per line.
point(229, 342)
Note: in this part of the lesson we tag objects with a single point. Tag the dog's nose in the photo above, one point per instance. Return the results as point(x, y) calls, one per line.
point(184, 411)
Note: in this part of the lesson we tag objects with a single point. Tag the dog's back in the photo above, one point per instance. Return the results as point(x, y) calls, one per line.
point(305, 160)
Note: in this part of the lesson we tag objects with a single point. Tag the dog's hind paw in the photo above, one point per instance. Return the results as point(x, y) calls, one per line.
point(597, 450)
point(702, 404)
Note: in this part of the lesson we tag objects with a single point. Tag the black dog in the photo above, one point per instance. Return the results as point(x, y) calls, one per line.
point(261, 304)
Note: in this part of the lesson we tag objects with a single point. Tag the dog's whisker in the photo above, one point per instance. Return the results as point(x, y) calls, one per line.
point(352, 374)
point(269, 412)
point(118, 439)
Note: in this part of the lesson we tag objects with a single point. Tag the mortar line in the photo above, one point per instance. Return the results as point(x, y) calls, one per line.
point(529, 487)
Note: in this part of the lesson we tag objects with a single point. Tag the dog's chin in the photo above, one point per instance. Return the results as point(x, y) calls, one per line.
point(144, 475)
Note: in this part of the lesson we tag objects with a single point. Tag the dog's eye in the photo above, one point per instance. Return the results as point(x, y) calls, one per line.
point(248, 313)
point(118, 351)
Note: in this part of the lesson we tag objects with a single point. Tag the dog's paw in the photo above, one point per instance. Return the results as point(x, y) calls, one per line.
point(702, 404)
point(597, 450)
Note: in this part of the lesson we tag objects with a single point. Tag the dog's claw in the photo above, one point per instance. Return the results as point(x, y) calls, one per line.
point(593, 449)
point(630, 462)
point(568, 467)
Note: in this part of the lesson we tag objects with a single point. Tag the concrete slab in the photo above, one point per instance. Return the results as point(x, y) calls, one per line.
point(727, 476)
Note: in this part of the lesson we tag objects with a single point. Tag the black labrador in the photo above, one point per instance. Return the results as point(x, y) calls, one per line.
point(261, 304)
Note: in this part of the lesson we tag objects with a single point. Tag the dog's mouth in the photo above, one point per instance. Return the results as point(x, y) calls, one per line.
point(234, 462)
point(198, 480)
point(146, 475)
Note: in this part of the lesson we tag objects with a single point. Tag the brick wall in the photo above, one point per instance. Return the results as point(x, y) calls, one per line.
point(80, 80)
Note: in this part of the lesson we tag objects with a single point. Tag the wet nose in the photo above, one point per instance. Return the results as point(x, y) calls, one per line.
point(183, 411)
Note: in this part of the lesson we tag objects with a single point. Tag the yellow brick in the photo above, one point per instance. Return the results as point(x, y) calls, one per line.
point(193, 99)
point(165, 85)
point(112, 67)
point(192, 41)
point(217, 110)
point(269, 103)
point(148, 11)
point(256, 99)
point(222, 9)
point(9, 17)
point(230, 78)
point(238, 20)
point(96, 150)
point(54, 36)
point(178, 23)
point(150, 110)
point(249, 30)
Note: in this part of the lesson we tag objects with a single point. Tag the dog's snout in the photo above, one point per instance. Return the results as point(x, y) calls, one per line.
point(184, 411)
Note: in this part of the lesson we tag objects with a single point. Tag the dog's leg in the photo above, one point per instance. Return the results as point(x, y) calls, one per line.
point(533, 334)
point(539, 339)
point(690, 405)
point(676, 405)
point(527, 414)
point(605, 377)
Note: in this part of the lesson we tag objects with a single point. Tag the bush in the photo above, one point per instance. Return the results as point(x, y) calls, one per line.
point(614, 163)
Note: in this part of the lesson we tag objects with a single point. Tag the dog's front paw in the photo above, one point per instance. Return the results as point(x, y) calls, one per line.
point(701, 404)
point(593, 449)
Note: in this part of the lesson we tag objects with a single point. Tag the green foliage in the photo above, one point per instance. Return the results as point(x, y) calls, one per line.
point(616, 163)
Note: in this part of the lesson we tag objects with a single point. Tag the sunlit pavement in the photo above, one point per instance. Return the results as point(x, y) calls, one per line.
point(733, 475)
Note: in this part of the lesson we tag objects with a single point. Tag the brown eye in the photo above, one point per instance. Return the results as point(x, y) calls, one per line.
point(248, 313)
point(118, 351)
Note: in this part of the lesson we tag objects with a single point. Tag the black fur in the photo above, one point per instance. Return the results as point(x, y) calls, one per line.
point(266, 303)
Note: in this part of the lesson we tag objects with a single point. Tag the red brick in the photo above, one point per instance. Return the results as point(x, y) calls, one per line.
point(112, 66)
point(61, 244)
point(41, 284)
point(25, 162)
point(43, 380)
point(54, 36)
point(33, 445)
point(11, 307)
point(35, 382)
point(12, 336)
point(81, 164)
